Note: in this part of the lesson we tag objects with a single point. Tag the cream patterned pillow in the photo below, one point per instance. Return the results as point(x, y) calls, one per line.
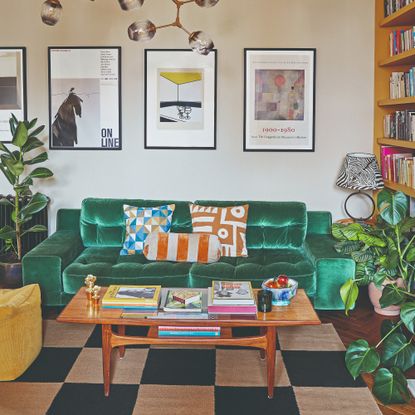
point(228, 223)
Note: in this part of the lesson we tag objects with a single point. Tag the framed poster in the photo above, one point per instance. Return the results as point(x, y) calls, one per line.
point(85, 98)
point(180, 99)
point(12, 88)
point(279, 99)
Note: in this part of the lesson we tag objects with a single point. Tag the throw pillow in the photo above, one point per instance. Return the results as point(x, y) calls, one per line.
point(141, 221)
point(228, 223)
point(182, 247)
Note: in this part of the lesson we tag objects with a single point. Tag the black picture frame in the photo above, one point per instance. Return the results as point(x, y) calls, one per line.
point(5, 113)
point(308, 100)
point(212, 111)
point(112, 143)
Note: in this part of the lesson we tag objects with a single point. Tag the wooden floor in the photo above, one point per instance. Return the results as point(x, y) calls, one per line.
point(363, 322)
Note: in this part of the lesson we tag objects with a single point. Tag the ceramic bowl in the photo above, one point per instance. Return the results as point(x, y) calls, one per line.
point(282, 296)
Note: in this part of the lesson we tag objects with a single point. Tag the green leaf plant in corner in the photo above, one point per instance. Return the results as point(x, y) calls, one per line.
point(14, 158)
point(384, 254)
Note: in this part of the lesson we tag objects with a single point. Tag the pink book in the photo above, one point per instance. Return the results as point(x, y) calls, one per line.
point(386, 153)
point(240, 309)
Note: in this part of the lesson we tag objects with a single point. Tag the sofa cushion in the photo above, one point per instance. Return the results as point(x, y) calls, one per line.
point(111, 268)
point(102, 221)
point(271, 224)
point(258, 266)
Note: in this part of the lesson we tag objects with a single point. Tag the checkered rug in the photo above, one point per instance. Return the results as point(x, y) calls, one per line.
point(66, 378)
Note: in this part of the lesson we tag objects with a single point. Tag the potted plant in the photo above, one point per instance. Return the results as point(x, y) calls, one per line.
point(384, 252)
point(13, 161)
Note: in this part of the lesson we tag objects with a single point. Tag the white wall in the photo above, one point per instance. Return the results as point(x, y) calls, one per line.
point(343, 33)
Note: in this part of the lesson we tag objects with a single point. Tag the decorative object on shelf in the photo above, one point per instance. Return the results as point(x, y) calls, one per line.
point(180, 100)
point(89, 282)
point(12, 165)
point(85, 98)
point(282, 293)
point(279, 99)
point(144, 30)
point(12, 88)
point(95, 295)
point(264, 301)
point(360, 171)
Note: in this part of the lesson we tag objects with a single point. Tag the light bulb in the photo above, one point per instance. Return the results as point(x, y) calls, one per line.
point(206, 3)
point(130, 4)
point(142, 31)
point(201, 43)
point(51, 12)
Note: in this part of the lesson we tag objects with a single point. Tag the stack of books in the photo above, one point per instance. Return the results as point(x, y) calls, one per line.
point(398, 165)
point(392, 6)
point(402, 84)
point(401, 41)
point(189, 331)
point(134, 299)
point(400, 125)
point(231, 297)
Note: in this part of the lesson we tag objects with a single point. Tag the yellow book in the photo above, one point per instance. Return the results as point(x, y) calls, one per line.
point(133, 295)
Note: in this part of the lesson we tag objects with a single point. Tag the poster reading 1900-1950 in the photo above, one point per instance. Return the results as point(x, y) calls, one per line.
point(84, 98)
point(279, 99)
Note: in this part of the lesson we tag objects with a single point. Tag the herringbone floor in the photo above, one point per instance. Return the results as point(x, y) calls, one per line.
point(363, 322)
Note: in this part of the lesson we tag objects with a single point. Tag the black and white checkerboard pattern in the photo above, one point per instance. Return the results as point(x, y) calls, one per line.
point(66, 378)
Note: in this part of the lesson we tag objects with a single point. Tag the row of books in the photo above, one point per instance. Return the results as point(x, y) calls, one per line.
point(402, 84)
point(392, 6)
point(398, 165)
point(400, 125)
point(401, 41)
point(188, 331)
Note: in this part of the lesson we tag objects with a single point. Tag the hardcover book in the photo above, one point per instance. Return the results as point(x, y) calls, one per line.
point(232, 292)
point(246, 309)
point(186, 296)
point(170, 304)
point(132, 295)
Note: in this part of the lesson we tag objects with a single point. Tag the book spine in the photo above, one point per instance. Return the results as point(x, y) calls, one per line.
point(130, 307)
point(189, 333)
point(187, 328)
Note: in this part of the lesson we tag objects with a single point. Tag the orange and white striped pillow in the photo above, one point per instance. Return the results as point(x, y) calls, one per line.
point(182, 247)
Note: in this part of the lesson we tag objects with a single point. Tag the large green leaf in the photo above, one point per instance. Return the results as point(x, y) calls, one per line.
point(31, 144)
point(36, 204)
point(347, 247)
point(392, 206)
point(387, 326)
point(7, 174)
point(35, 228)
point(379, 277)
point(7, 232)
point(408, 315)
point(362, 256)
point(365, 272)
point(398, 351)
point(38, 159)
point(346, 232)
point(20, 136)
point(337, 231)
point(15, 167)
point(410, 255)
point(349, 292)
point(36, 132)
point(371, 240)
point(407, 225)
point(390, 386)
point(40, 173)
point(361, 358)
point(391, 295)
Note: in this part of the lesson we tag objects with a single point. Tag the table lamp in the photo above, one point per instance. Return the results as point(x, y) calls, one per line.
point(360, 171)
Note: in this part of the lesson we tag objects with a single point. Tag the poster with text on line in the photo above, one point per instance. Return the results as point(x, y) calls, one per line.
point(85, 98)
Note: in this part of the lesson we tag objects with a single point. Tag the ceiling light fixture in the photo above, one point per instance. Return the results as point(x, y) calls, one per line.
point(143, 30)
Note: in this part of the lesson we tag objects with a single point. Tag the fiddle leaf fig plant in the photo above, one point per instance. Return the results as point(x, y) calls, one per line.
point(13, 161)
point(384, 251)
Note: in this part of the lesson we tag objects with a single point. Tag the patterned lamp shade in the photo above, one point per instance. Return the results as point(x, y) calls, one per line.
point(360, 171)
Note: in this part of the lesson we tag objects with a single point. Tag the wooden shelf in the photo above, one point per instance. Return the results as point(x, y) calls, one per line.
point(400, 187)
point(396, 143)
point(395, 102)
point(405, 58)
point(403, 17)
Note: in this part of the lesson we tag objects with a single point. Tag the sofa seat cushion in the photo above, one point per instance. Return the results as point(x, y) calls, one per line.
point(111, 268)
point(258, 266)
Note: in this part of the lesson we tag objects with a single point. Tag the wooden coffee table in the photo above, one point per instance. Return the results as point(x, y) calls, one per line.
point(299, 312)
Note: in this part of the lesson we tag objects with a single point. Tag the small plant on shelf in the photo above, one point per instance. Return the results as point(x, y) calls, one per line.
point(13, 161)
point(383, 253)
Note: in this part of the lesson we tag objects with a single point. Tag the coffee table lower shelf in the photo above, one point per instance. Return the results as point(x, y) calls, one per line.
point(265, 341)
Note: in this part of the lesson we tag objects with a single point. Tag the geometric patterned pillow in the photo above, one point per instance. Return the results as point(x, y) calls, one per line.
point(228, 223)
point(140, 221)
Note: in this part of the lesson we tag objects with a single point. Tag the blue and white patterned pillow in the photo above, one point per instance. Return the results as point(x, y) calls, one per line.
point(140, 221)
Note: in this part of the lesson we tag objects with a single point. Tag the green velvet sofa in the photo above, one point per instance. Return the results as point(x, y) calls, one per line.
point(282, 237)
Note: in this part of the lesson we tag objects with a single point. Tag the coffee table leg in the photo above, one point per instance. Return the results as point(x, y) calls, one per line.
point(262, 332)
point(271, 348)
point(106, 357)
point(121, 349)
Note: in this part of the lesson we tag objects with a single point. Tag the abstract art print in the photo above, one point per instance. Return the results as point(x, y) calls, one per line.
point(12, 88)
point(85, 98)
point(279, 99)
point(180, 100)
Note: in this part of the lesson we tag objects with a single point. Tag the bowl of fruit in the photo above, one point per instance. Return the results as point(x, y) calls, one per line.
point(283, 289)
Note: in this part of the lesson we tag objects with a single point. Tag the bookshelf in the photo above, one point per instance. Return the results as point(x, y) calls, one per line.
point(385, 64)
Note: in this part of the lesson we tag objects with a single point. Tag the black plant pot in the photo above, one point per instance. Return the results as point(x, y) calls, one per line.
point(10, 274)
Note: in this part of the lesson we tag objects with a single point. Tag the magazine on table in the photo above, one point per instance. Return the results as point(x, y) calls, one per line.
point(232, 292)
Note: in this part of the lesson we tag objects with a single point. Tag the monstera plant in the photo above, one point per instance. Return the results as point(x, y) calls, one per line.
point(14, 159)
point(384, 251)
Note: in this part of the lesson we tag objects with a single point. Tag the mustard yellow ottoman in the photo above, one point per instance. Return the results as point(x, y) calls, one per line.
point(20, 330)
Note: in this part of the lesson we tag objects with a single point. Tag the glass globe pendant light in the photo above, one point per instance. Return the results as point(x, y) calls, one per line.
point(51, 12)
point(130, 4)
point(206, 3)
point(142, 31)
point(201, 43)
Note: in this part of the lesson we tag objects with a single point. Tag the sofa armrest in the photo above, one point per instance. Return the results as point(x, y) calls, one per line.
point(68, 220)
point(44, 264)
point(318, 222)
point(332, 270)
